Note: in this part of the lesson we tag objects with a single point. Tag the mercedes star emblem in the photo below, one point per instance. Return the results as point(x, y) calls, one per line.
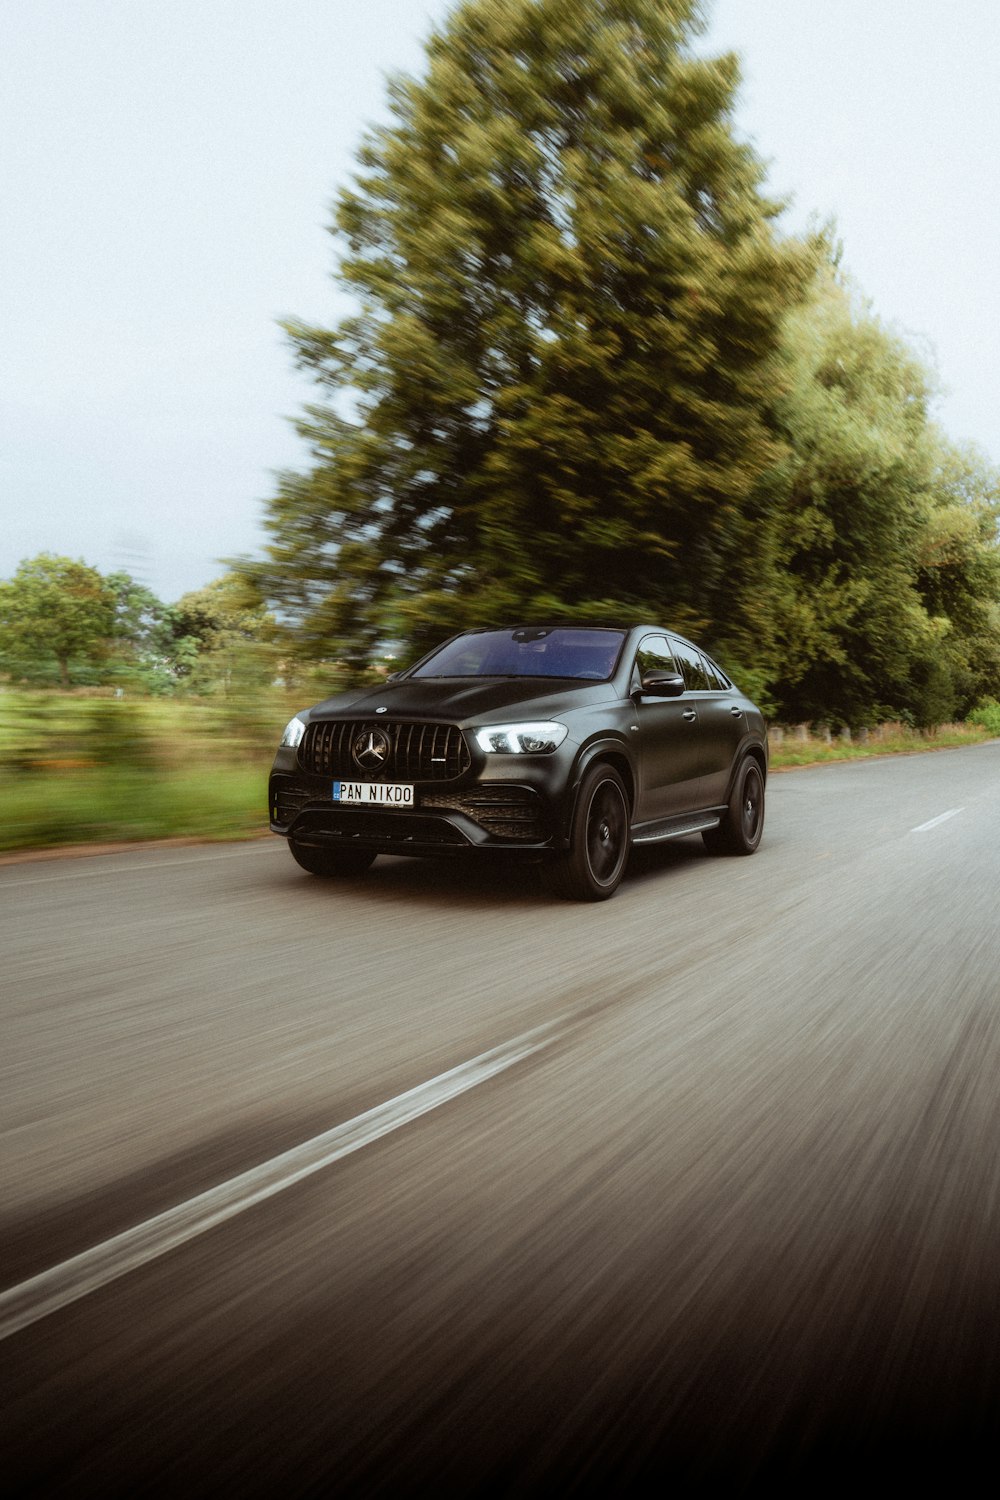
point(370, 749)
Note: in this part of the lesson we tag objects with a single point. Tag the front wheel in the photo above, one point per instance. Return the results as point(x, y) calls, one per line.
point(331, 861)
point(592, 868)
point(741, 829)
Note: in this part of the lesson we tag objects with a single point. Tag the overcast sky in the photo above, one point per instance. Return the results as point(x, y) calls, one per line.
point(166, 171)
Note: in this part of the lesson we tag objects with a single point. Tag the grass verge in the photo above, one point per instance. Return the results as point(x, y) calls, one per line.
point(103, 805)
point(790, 752)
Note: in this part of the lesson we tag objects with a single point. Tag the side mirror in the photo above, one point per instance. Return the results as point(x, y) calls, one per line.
point(663, 684)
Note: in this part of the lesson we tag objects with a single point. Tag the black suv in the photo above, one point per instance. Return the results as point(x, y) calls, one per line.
point(565, 743)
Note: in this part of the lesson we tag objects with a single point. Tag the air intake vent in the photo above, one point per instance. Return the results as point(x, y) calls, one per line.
point(507, 812)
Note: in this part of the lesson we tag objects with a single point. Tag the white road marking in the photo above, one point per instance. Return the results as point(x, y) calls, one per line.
point(56, 1288)
point(941, 818)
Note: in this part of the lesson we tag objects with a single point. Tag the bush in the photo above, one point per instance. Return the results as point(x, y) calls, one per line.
point(117, 735)
point(987, 715)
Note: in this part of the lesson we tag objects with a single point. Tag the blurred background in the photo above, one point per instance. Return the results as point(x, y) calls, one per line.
point(247, 464)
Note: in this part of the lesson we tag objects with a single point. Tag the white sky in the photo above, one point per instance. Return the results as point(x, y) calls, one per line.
point(166, 172)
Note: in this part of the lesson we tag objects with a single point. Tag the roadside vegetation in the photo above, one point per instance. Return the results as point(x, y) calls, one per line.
point(80, 768)
point(802, 746)
point(87, 769)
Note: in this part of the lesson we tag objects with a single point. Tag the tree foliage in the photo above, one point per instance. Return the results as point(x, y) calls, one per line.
point(585, 376)
point(224, 637)
point(958, 568)
point(63, 621)
point(570, 300)
point(57, 617)
point(883, 602)
point(140, 654)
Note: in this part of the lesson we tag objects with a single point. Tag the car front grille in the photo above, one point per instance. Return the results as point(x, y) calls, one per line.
point(417, 752)
point(506, 812)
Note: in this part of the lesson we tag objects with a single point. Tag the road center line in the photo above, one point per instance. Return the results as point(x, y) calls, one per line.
point(941, 818)
point(56, 1288)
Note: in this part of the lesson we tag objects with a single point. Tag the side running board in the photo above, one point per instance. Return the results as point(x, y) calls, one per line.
point(675, 828)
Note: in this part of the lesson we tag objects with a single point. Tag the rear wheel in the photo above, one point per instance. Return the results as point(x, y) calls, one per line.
point(592, 868)
point(741, 829)
point(331, 861)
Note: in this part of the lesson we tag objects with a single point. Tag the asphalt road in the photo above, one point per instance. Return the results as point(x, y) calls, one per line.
point(428, 1181)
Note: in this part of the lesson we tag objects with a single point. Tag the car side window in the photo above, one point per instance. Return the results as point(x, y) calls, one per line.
point(690, 663)
point(712, 673)
point(723, 681)
point(653, 655)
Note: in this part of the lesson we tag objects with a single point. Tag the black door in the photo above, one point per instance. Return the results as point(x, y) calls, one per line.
point(721, 723)
point(671, 759)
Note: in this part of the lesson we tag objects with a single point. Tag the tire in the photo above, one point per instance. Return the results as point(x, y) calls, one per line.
point(331, 861)
point(741, 829)
point(593, 867)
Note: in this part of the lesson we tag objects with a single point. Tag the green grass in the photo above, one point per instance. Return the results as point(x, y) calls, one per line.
point(86, 768)
point(46, 809)
point(890, 740)
point(44, 728)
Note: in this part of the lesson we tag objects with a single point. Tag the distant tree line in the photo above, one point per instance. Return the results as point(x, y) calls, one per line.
point(63, 623)
point(587, 376)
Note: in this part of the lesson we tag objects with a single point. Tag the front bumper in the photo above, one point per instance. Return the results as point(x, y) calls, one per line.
point(477, 815)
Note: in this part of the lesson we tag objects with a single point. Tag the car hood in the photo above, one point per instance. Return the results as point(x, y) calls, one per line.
point(465, 700)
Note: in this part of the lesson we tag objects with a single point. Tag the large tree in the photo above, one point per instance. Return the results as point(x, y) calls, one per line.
point(141, 657)
point(883, 601)
point(958, 568)
point(57, 617)
point(569, 296)
point(224, 637)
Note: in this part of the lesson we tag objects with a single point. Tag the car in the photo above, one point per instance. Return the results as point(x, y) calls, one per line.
point(563, 744)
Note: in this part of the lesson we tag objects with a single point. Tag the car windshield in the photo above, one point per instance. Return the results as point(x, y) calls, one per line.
point(531, 651)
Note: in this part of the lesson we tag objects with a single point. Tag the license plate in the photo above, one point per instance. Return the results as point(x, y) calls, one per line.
point(374, 793)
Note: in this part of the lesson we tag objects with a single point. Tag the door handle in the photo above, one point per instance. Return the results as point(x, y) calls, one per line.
point(689, 714)
point(736, 712)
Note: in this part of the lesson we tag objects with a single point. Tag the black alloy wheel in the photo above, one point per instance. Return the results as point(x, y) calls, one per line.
point(741, 829)
point(331, 861)
point(593, 867)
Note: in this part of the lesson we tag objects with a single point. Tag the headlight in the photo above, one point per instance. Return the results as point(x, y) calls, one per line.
point(521, 739)
point(294, 730)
